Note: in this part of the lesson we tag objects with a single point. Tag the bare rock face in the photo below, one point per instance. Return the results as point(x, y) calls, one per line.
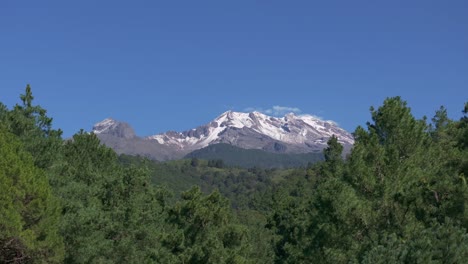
point(121, 137)
point(288, 134)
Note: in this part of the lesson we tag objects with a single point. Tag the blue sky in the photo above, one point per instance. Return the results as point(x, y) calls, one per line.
point(173, 65)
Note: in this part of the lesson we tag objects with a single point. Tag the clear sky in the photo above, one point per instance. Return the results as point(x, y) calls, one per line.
point(174, 65)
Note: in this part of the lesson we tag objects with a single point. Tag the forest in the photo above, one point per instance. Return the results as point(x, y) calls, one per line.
point(400, 196)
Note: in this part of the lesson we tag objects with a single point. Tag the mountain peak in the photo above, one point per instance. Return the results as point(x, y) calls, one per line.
point(104, 125)
point(113, 127)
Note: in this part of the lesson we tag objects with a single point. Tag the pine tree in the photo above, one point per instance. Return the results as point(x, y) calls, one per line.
point(333, 157)
point(34, 128)
point(29, 213)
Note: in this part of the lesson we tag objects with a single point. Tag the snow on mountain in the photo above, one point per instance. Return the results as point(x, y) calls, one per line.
point(294, 133)
point(104, 125)
point(113, 127)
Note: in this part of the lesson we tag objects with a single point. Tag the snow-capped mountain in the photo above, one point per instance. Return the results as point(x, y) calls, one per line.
point(289, 134)
point(113, 127)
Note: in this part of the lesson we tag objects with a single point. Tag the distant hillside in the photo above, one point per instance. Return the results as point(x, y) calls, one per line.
point(238, 184)
point(248, 158)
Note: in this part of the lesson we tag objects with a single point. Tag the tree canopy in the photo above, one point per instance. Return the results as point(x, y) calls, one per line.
point(400, 196)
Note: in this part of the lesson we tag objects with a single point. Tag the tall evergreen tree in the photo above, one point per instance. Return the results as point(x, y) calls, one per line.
point(34, 128)
point(333, 157)
point(29, 213)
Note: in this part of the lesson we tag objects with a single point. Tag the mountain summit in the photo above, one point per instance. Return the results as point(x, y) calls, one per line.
point(289, 134)
point(115, 128)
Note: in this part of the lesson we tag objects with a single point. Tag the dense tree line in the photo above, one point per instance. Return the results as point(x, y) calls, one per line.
point(246, 158)
point(399, 197)
point(72, 201)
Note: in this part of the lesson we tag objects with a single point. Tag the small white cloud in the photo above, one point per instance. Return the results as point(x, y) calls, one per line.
point(282, 110)
point(276, 110)
point(251, 109)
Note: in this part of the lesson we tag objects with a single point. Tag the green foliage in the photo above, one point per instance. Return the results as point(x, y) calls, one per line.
point(289, 219)
point(260, 238)
point(29, 213)
point(333, 157)
point(218, 163)
point(441, 243)
point(195, 162)
point(248, 158)
point(34, 128)
point(204, 232)
point(334, 150)
point(110, 213)
point(399, 197)
point(240, 186)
